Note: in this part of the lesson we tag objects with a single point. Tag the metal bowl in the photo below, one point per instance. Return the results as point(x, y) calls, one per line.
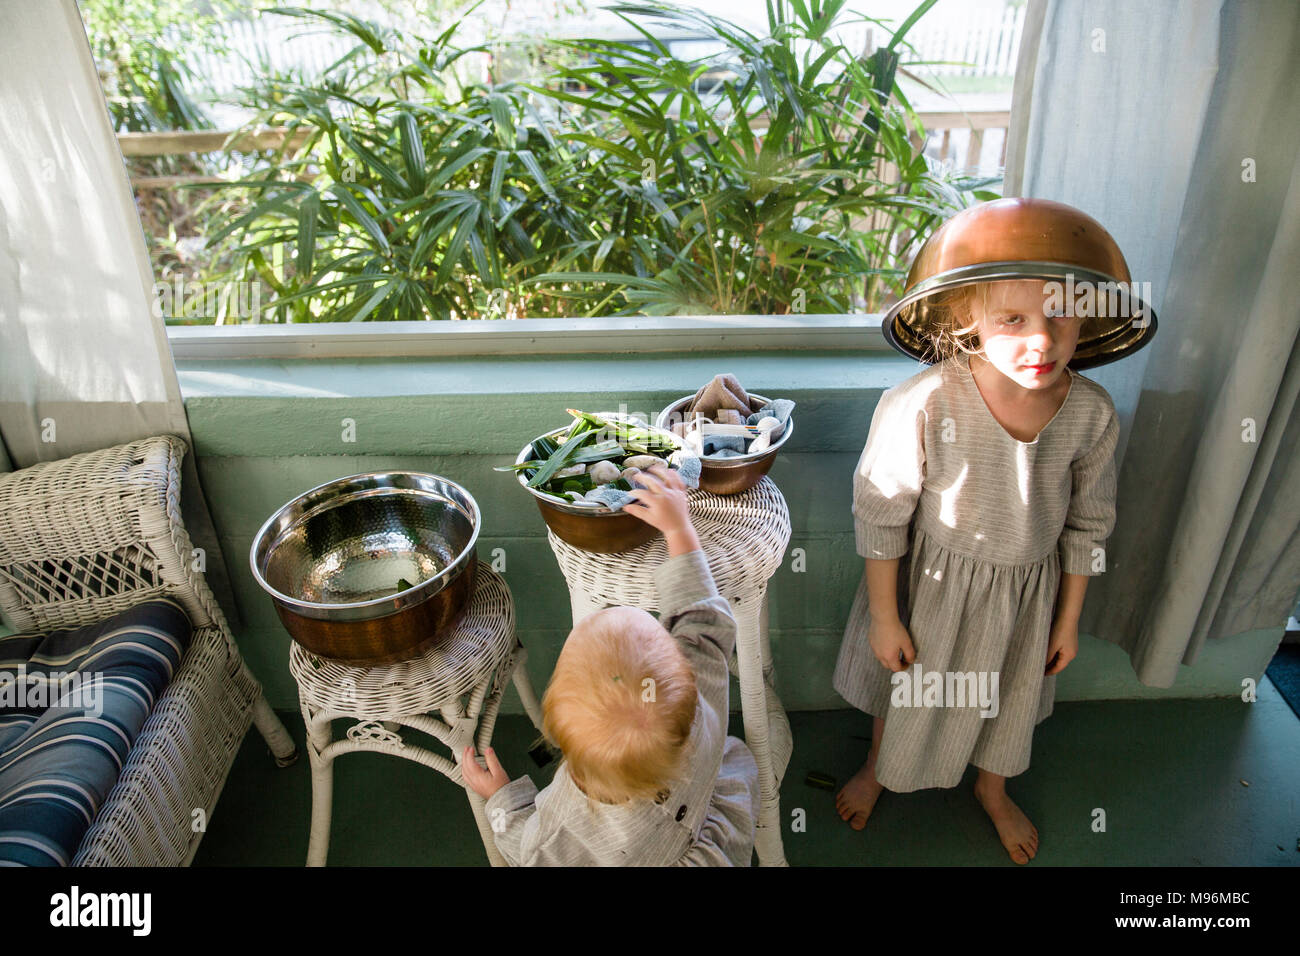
point(730, 476)
point(331, 559)
point(591, 528)
point(1021, 238)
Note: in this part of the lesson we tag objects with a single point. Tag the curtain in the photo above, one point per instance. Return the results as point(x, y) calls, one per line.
point(1177, 126)
point(84, 363)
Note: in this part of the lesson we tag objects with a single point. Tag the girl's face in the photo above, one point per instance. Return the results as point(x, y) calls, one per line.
point(1019, 339)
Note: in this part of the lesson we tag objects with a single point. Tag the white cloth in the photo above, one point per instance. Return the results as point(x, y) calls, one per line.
point(84, 363)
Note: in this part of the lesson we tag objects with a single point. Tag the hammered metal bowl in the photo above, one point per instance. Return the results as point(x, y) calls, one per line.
point(1021, 238)
point(729, 476)
point(331, 560)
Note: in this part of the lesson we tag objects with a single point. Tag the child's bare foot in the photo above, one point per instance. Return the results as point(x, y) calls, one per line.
point(857, 798)
point(1018, 835)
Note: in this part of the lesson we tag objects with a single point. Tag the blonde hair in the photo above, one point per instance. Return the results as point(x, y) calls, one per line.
point(620, 705)
point(950, 323)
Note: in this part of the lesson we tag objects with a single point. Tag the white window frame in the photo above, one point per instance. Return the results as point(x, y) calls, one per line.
point(634, 334)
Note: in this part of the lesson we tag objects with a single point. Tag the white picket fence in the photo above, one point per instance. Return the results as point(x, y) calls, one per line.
point(256, 50)
point(972, 43)
point(986, 40)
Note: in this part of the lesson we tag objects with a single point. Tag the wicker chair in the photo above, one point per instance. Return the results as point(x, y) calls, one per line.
point(86, 537)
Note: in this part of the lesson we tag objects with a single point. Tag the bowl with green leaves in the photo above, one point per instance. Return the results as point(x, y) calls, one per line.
point(575, 471)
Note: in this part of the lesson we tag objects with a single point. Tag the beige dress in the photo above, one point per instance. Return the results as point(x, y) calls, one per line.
point(985, 525)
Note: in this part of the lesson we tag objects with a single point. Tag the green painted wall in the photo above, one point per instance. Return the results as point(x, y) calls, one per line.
point(265, 431)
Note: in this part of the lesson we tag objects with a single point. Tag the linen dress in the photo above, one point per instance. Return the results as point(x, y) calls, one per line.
point(705, 818)
point(984, 525)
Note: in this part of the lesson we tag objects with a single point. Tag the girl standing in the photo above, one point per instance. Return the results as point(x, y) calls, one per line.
point(982, 502)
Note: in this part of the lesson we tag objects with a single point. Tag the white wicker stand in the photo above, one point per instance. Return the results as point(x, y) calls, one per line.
point(451, 692)
point(744, 537)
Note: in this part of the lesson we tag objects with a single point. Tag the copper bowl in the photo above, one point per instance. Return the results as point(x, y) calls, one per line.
point(1020, 238)
point(729, 476)
point(590, 527)
point(331, 560)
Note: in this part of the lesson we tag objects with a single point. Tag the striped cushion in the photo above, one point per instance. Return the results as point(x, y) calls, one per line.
point(71, 705)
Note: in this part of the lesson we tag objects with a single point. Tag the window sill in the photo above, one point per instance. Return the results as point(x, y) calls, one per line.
point(529, 337)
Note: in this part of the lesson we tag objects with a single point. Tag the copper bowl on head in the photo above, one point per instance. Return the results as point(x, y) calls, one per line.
point(729, 476)
point(1022, 238)
point(331, 560)
point(590, 527)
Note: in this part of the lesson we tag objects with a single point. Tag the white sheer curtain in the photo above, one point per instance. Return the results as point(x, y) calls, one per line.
point(84, 364)
point(1177, 126)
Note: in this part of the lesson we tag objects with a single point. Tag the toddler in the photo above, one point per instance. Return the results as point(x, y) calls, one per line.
point(638, 707)
point(981, 501)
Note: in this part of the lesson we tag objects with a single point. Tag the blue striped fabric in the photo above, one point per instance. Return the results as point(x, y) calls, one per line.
point(71, 705)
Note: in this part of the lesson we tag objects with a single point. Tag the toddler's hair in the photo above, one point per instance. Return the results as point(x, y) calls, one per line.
point(620, 705)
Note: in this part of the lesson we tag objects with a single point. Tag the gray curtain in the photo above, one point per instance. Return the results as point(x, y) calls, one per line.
point(1177, 126)
point(84, 364)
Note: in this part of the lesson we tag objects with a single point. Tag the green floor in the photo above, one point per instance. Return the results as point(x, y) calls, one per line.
point(1182, 783)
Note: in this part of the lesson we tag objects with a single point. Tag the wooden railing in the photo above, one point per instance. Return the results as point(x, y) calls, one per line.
point(189, 142)
point(977, 122)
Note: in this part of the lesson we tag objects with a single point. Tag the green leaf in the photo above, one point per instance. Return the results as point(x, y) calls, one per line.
point(316, 290)
point(412, 149)
point(599, 277)
point(499, 106)
point(478, 252)
point(535, 170)
point(602, 251)
point(374, 163)
point(907, 24)
point(498, 176)
point(378, 296)
point(307, 214)
point(363, 218)
point(456, 166)
point(599, 452)
point(559, 459)
point(467, 225)
point(259, 210)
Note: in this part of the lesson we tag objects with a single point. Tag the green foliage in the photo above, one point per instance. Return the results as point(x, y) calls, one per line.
point(774, 200)
point(610, 186)
point(138, 46)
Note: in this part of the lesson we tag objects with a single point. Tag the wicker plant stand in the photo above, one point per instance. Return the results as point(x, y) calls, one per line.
point(451, 692)
point(744, 537)
point(94, 534)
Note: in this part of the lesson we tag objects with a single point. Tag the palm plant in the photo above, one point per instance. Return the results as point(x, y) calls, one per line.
point(415, 196)
point(411, 198)
point(798, 188)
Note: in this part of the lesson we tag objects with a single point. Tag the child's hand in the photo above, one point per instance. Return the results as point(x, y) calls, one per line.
point(1062, 646)
point(891, 644)
point(483, 782)
point(662, 502)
